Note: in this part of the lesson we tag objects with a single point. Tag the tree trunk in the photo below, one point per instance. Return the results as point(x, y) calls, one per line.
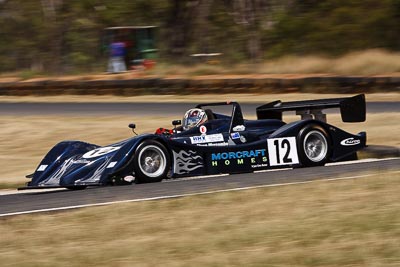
point(248, 14)
point(50, 8)
point(202, 25)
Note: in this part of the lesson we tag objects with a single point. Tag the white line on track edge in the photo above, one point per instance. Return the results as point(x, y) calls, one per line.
point(184, 195)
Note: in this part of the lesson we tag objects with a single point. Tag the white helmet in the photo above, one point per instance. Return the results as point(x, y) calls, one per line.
point(193, 117)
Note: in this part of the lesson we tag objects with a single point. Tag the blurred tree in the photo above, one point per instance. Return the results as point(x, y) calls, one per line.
point(334, 27)
point(256, 16)
point(201, 27)
point(57, 35)
point(249, 14)
point(180, 26)
point(54, 28)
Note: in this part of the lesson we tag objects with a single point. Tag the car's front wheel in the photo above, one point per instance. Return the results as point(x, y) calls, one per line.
point(151, 162)
point(313, 145)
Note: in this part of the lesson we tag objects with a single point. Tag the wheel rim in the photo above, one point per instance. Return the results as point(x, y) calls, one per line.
point(152, 161)
point(315, 146)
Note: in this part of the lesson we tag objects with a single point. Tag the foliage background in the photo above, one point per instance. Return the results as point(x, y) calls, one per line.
point(65, 36)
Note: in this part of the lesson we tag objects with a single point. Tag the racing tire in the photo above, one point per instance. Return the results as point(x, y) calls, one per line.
point(314, 146)
point(151, 162)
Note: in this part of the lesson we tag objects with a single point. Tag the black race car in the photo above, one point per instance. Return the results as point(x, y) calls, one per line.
point(222, 144)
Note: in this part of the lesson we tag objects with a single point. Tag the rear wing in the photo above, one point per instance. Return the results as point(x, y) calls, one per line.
point(352, 109)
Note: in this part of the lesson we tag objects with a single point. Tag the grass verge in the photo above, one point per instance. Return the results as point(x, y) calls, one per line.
point(368, 62)
point(323, 223)
point(373, 62)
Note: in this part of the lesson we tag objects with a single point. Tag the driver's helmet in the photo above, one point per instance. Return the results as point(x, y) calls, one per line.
point(193, 117)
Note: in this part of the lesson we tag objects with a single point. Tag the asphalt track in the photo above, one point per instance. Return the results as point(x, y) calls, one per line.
point(167, 109)
point(31, 202)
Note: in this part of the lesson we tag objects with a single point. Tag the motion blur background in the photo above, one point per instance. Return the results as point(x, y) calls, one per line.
point(341, 223)
point(65, 37)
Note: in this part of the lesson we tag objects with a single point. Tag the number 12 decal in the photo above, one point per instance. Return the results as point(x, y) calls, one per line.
point(282, 151)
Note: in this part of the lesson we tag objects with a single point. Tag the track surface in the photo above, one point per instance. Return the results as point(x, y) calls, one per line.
point(28, 201)
point(140, 108)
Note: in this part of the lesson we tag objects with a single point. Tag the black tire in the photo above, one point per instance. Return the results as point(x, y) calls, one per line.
point(151, 162)
point(314, 146)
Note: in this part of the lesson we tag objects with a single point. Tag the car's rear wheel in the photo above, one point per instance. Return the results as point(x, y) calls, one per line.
point(313, 145)
point(151, 162)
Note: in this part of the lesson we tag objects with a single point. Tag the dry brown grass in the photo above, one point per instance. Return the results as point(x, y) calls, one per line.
point(369, 62)
point(374, 62)
point(242, 98)
point(343, 223)
point(24, 140)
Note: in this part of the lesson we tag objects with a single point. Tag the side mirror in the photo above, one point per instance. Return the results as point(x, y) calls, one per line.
point(132, 126)
point(176, 122)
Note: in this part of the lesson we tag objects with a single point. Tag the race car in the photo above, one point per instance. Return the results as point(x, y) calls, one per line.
point(209, 143)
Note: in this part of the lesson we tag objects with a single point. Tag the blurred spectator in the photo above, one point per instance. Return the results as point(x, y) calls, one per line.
point(116, 62)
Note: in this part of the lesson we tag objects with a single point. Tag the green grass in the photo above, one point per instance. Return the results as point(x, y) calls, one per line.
point(337, 223)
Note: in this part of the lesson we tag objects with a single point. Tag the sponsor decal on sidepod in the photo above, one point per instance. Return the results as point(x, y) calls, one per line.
point(235, 135)
point(239, 156)
point(350, 142)
point(212, 138)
